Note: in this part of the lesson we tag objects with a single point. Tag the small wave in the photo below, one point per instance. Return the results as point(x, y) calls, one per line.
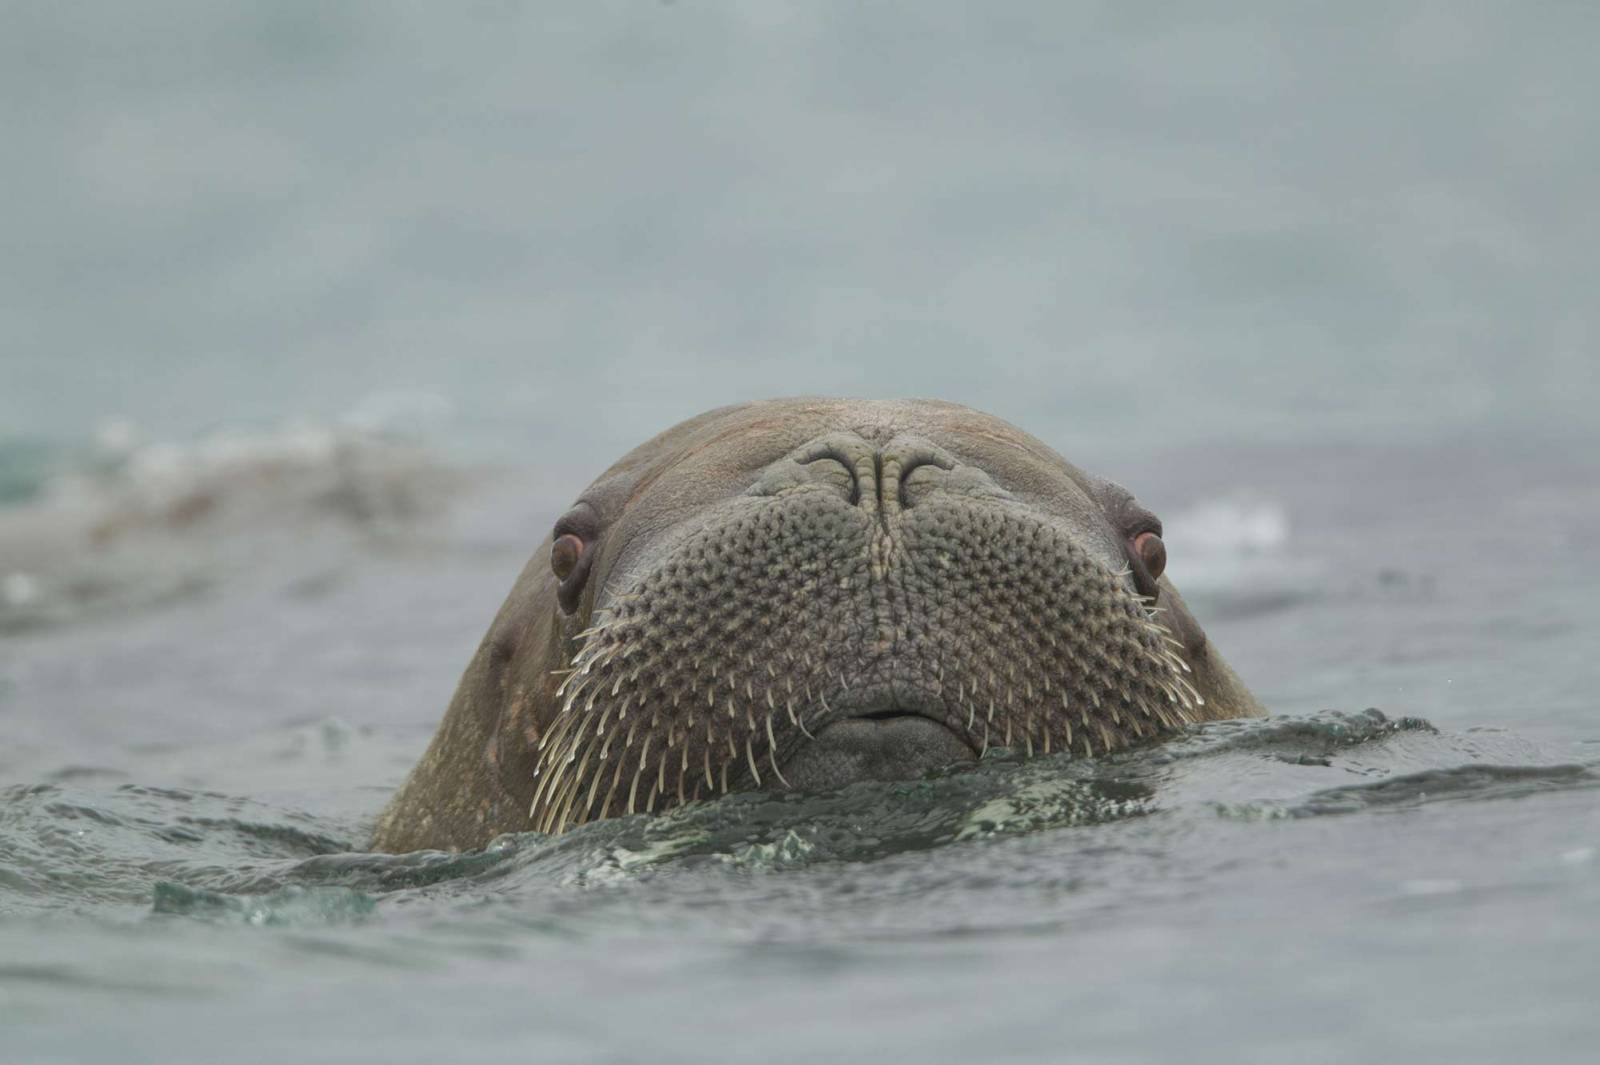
point(136, 850)
point(129, 523)
point(1296, 739)
point(356, 474)
point(73, 848)
point(1455, 784)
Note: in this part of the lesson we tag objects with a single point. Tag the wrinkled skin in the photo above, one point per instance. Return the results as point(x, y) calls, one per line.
point(805, 593)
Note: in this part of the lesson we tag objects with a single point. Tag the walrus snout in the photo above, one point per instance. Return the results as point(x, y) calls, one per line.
point(854, 579)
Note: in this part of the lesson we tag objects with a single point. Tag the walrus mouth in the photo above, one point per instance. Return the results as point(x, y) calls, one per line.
point(801, 644)
point(893, 744)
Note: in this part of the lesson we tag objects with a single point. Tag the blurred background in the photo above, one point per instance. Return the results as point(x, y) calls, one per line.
point(313, 316)
point(537, 228)
point(291, 291)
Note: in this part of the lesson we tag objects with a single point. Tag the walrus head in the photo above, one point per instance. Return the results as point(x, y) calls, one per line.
point(805, 593)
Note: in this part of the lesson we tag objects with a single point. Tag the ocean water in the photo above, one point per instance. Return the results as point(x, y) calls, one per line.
point(312, 319)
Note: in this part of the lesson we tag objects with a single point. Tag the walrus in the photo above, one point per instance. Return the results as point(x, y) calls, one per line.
point(803, 593)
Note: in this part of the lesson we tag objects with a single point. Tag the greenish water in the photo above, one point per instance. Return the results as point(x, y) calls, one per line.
point(312, 318)
point(1214, 876)
point(200, 736)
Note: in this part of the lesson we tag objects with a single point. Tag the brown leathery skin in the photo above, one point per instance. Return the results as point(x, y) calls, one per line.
point(764, 572)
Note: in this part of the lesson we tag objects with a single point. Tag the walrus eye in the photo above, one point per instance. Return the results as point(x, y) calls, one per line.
point(572, 551)
point(565, 555)
point(1148, 549)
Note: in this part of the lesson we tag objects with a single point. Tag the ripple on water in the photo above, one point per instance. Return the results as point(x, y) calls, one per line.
point(1006, 824)
point(292, 905)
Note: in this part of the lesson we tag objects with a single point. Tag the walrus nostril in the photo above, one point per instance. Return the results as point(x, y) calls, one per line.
point(922, 473)
point(835, 468)
point(833, 461)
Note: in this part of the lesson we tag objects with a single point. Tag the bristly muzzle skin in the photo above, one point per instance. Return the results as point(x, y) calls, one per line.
point(833, 589)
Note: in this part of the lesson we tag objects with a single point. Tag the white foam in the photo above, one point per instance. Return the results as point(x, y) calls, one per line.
point(1238, 526)
point(143, 520)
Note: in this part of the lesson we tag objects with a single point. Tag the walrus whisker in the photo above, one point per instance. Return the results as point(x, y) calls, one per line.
point(616, 779)
point(555, 818)
point(539, 790)
point(633, 788)
point(587, 749)
point(644, 748)
point(568, 690)
point(750, 757)
point(589, 801)
point(772, 754)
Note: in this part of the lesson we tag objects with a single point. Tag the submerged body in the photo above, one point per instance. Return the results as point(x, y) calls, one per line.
point(806, 593)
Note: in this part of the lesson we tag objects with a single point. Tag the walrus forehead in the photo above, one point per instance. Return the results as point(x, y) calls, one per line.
point(695, 474)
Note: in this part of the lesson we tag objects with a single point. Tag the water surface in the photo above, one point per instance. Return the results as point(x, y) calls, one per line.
point(313, 318)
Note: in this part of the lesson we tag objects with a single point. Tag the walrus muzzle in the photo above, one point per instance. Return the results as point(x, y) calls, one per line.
point(856, 614)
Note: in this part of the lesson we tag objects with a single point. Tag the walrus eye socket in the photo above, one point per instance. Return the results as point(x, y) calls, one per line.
point(1148, 549)
point(565, 554)
point(572, 552)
